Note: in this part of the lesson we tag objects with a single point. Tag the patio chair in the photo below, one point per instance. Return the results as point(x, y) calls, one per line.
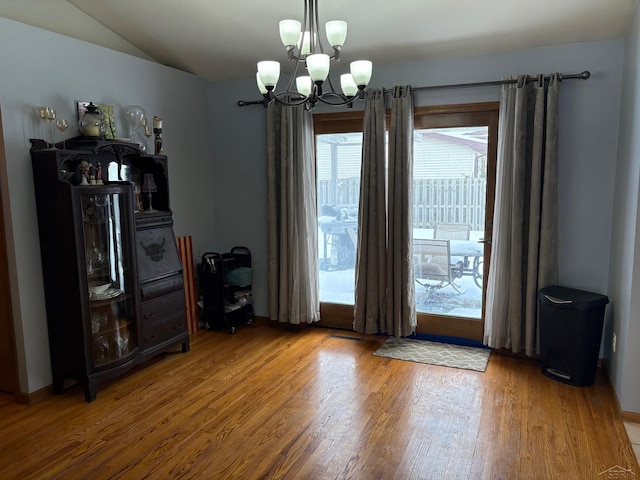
point(432, 264)
point(452, 231)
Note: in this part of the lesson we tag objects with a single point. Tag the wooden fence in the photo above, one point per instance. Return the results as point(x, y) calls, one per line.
point(436, 200)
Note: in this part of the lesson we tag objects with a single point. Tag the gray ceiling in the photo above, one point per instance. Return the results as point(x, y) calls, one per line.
point(223, 40)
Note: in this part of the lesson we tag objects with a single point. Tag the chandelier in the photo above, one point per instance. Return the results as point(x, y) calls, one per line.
point(304, 47)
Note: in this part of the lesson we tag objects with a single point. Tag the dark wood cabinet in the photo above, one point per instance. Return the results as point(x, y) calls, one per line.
point(112, 273)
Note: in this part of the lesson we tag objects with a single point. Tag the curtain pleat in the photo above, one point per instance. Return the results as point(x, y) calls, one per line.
point(370, 288)
point(524, 249)
point(292, 229)
point(401, 306)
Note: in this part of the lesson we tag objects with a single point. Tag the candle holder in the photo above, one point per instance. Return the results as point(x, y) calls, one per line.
point(147, 129)
point(42, 113)
point(50, 115)
point(149, 187)
point(157, 129)
point(159, 150)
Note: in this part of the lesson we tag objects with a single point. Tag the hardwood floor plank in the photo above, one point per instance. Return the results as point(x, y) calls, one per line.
point(275, 402)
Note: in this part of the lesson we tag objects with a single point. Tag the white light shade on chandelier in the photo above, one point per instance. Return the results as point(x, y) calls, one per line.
point(268, 73)
point(336, 32)
point(261, 86)
point(348, 85)
point(304, 85)
point(303, 45)
point(290, 32)
point(361, 72)
point(305, 49)
point(318, 67)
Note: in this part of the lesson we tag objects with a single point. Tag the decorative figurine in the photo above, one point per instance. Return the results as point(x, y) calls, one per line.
point(92, 174)
point(99, 175)
point(84, 171)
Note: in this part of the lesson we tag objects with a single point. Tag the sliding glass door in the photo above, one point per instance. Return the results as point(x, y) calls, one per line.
point(453, 185)
point(455, 149)
point(338, 181)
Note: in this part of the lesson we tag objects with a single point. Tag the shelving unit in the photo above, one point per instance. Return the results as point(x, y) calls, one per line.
point(226, 284)
point(112, 274)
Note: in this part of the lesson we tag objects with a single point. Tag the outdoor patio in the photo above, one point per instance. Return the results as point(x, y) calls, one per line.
point(337, 286)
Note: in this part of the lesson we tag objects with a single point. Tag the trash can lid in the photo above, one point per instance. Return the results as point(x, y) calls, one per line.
point(571, 298)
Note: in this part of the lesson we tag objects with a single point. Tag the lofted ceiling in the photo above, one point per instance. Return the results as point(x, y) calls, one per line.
point(222, 40)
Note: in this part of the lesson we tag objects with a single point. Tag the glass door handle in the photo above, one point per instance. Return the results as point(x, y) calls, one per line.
point(484, 240)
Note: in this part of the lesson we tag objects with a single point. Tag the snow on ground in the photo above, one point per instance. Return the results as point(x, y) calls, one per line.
point(337, 286)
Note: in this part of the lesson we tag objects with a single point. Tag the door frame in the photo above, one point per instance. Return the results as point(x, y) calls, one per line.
point(464, 115)
point(486, 114)
point(9, 378)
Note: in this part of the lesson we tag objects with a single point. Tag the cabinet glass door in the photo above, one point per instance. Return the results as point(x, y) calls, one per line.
point(109, 269)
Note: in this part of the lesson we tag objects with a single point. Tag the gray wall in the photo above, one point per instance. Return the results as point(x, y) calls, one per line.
point(43, 68)
point(624, 285)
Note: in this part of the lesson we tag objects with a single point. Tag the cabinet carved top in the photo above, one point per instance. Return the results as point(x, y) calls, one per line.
point(103, 162)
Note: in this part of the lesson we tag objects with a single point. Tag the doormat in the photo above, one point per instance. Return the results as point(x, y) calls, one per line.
point(434, 353)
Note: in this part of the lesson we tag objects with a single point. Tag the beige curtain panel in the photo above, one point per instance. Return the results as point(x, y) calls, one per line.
point(385, 288)
point(371, 284)
point(401, 304)
point(293, 232)
point(524, 251)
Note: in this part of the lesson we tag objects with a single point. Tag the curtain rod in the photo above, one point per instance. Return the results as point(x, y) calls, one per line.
point(579, 76)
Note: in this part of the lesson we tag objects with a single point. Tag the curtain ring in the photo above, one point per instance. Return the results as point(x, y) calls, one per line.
point(401, 91)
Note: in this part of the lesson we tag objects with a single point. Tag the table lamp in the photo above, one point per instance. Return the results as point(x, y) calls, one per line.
point(148, 187)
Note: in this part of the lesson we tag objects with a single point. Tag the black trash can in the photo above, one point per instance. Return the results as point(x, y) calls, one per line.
point(570, 333)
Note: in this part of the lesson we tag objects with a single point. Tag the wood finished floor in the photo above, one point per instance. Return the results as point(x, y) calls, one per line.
point(270, 403)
